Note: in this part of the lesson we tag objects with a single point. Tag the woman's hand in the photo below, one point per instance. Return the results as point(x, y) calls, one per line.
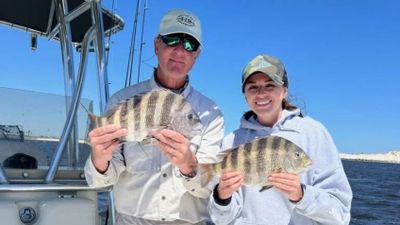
point(288, 184)
point(229, 182)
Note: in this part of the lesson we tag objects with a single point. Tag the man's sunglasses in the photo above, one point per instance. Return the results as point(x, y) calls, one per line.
point(189, 44)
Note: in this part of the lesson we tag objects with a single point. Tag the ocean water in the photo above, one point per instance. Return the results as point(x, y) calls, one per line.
point(376, 192)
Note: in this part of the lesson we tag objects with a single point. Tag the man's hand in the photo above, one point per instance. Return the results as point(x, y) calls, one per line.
point(104, 140)
point(177, 148)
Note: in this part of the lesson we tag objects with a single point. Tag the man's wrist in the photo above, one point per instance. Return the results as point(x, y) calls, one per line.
point(189, 169)
point(101, 167)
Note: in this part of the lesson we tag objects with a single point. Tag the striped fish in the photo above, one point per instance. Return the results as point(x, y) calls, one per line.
point(149, 112)
point(258, 159)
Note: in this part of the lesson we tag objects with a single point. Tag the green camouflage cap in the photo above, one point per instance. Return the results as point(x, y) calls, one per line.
point(180, 21)
point(270, 66)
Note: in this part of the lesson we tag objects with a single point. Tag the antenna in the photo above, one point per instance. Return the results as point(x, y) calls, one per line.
point(132, 48)
point(141, 40)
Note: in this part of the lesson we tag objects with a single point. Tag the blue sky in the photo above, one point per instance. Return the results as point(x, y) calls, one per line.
point(342, 58)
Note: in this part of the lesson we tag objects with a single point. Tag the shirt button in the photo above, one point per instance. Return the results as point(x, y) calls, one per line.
point(164, 175)
point(192, 190)
point(163, 197)
point(163, 219)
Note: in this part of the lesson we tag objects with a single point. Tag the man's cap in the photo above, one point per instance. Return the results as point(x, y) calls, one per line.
point(270, 66)
point(180, 21)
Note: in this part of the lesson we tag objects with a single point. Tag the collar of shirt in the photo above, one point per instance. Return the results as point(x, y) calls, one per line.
point(183, 90)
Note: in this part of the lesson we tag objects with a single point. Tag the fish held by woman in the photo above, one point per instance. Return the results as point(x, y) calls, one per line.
point(145, 113)
point(258, 159)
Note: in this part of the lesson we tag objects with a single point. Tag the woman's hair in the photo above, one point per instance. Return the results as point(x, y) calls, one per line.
point(287, 105)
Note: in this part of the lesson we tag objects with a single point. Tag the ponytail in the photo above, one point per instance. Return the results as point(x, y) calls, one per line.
point(286, 105)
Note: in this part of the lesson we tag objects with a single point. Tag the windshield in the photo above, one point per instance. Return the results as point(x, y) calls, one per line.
point(30, 127)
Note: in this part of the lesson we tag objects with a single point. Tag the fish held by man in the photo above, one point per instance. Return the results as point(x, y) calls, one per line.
point(258, 159)
point(149, 112)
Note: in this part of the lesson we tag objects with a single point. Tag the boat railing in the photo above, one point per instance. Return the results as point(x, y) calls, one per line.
point(74, 23)
point(12, 132)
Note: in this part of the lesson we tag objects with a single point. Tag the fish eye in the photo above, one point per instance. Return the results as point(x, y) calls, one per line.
point(297, 154)
point(190, 116)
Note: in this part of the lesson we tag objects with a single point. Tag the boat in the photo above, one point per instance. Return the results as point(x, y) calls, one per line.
point(42, 141)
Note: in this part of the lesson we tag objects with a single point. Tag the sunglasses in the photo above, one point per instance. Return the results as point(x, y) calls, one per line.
point(189, 44)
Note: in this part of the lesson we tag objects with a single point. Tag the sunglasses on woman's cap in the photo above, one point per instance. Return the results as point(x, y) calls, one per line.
point(189, 44)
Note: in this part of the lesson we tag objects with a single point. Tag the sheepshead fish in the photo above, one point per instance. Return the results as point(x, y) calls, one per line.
point(148, 112)
point(258, 159)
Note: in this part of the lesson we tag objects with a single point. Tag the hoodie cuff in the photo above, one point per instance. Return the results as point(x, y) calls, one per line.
point(218, 200)
point(308, 197)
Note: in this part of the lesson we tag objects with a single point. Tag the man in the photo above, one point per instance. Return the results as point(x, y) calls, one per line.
point(159, 184)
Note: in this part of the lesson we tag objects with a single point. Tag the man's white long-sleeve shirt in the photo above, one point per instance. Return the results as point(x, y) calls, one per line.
point(148, 188)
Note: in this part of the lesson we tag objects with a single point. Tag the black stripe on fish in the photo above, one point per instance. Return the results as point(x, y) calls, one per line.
point(261, 161)
point(234, 159)
point(124, 114)
point(166, 108)
point(109, 119)
point(247, 157)
point(274, 153)
point(136, 110)
point(151, 108)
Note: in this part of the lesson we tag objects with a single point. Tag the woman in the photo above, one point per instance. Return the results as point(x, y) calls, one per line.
point(322, 195)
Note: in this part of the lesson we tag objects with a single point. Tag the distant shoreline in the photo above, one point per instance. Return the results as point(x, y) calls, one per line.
point(371, 161)
point(389, 157)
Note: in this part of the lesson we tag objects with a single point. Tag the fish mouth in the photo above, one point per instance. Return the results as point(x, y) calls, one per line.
point(197, 130)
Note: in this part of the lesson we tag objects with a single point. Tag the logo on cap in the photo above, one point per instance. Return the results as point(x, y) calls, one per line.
point(185, 20)
point(262, 64)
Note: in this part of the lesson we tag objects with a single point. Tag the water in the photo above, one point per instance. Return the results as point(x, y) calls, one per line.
point(376, 192)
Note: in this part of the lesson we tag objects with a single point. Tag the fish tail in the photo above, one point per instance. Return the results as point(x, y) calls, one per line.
point(206, 172)
point(93, 123)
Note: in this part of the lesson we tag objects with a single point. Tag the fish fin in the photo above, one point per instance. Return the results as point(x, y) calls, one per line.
point(205, 171)
point(156, 129)
point(149, 140)
point(265, 187)
point(93, 121)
